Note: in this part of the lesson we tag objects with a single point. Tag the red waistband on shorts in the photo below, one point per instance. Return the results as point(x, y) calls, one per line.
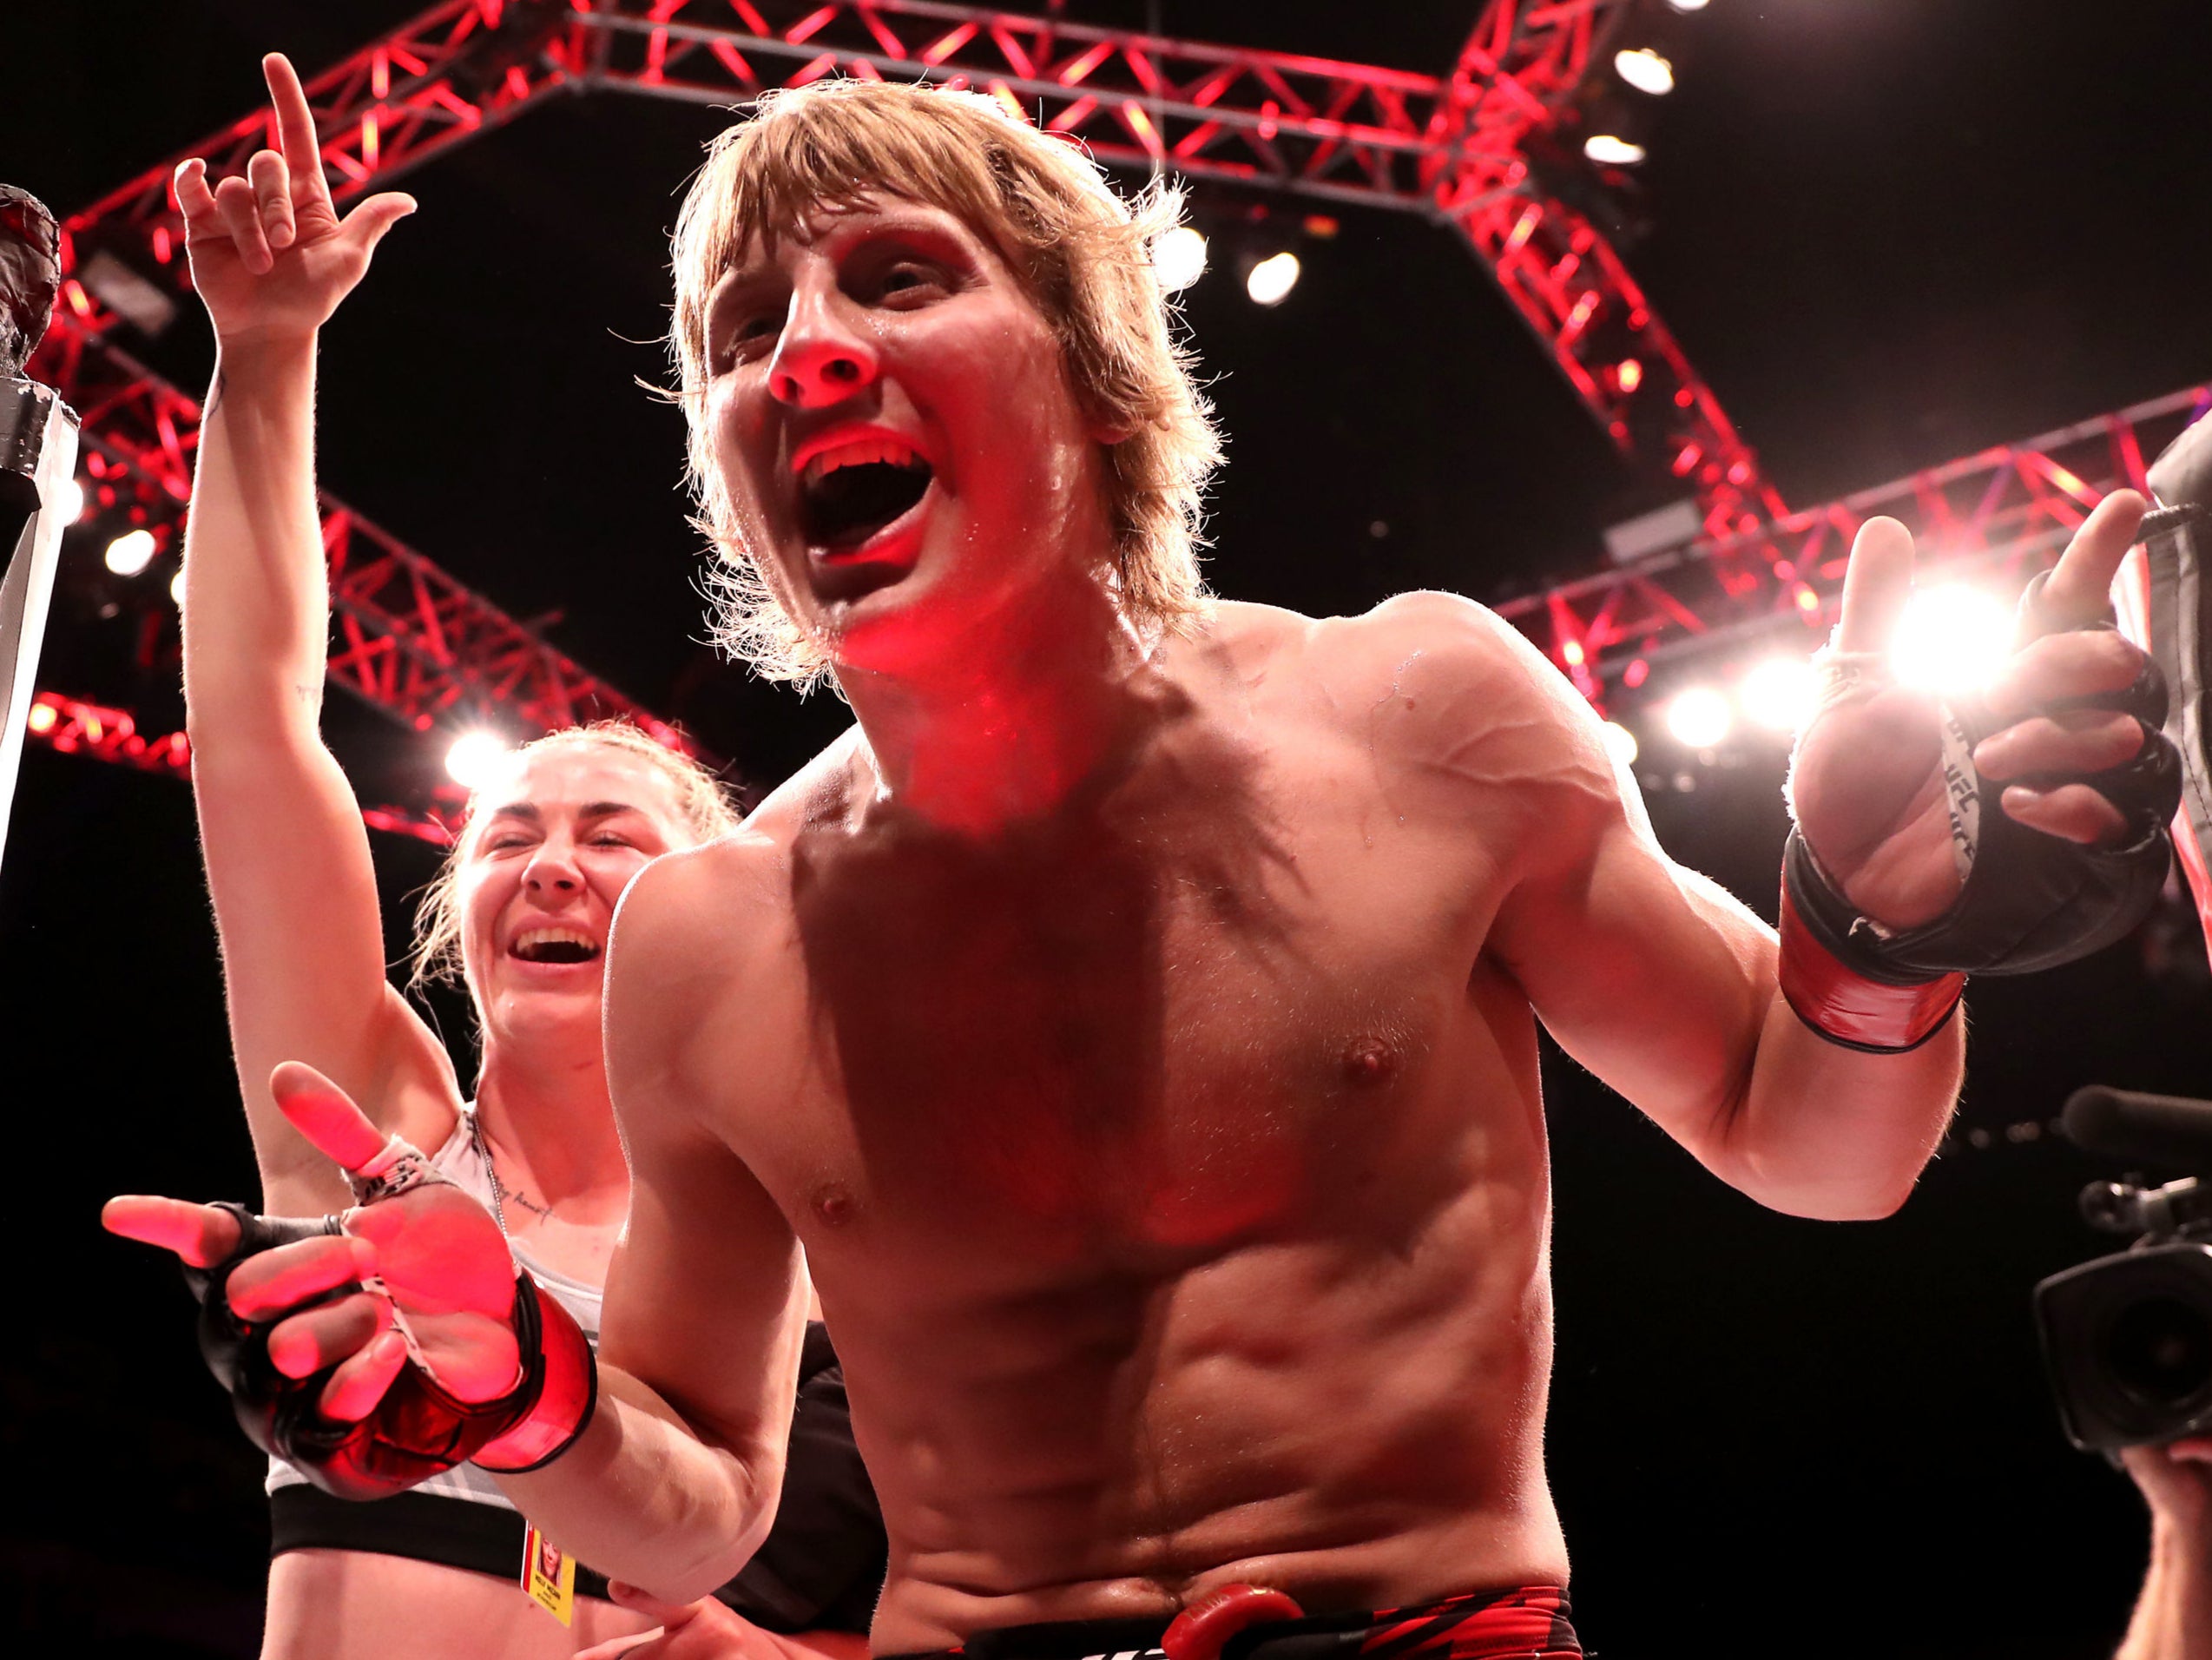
point(1529, 1622)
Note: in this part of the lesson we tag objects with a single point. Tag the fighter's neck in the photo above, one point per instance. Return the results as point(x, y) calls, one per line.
point(547, 1113)
point(1008, 735)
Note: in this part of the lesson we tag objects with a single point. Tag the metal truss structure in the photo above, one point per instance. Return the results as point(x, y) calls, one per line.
point(71, 726)
point(2009, 510)
point(1465, 149)
point(411, 639)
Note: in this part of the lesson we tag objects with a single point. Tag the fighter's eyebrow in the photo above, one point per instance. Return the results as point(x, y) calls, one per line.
point(606, 809)
point(517, 810)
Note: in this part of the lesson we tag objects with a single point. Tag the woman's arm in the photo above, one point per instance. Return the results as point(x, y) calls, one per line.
point(288, 857)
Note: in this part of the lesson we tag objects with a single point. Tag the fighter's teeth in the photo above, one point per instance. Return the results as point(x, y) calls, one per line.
point(858, 452)
point(534, 940)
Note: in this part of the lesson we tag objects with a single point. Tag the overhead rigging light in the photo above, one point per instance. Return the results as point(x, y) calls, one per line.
point(69, 500)
point(1179, 257)
point(1778, 693)
point(474, 755)
point(1269, 282)
point(1645, 71)
point(1951, 638)
point(1699, 717)
point(1620, 743)
point(131, 552)
point(1686, 6)
point(1608, 150)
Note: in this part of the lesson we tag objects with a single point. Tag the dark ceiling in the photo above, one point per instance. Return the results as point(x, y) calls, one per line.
point(1889, 232)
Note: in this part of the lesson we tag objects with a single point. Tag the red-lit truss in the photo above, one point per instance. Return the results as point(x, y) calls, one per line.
point(1454, 147)
point(419, 644)
point(1998, 515)
point(408, 638)
point(1457, 148)
point(73, 726)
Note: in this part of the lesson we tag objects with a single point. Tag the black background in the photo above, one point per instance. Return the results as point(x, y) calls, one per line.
point(1890, 232)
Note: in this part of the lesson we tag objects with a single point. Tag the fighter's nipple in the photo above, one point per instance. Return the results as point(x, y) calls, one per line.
point(833, 1204)
point(1370, 1060)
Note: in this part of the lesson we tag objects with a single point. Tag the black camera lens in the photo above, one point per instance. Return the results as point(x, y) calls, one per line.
point(2159, 1349)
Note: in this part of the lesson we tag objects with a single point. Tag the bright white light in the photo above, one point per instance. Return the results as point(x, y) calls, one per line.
point(1645, 71)
point(473, 756)
point(1951, 638)
point(68, 501)
point(1272, 279)
point(1620, 743)
point(1611, 152)
point(131, 552)
point(1686, 6)
point(1778, 693)
point(176, 587)
point(1179, 257)
point(1699, 717)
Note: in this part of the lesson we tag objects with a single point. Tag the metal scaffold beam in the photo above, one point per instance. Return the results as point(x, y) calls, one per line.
point(1458, 147)
point(1452, 146)
point(2001, 514)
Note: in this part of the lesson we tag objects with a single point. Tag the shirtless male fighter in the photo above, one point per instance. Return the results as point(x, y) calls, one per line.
point(1134, 1017)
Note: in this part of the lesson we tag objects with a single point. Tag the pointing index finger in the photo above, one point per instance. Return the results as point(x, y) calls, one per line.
point(2080, 589)
point(303, 155)
point(326, 1114)
point(1877, 584)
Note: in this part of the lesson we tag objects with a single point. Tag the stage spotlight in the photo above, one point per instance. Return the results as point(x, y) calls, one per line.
point(1620, 743)
point(44, 717)
point(131, 552)
point(1686, 6)
point(1610, 151)
point(1778, 693)
point(1951, 638)
point(70, 500)
point(473, 756)
point(176, 587)
point(1270, 281)
point(1645, 71)
point(1699, 717)
point(1179, 257)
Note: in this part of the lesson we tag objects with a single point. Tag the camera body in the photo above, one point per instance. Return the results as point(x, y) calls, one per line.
point(2127, 1338)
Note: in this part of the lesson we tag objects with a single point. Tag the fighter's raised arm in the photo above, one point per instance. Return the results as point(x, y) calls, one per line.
point(280, 827)
point(1818, 1079)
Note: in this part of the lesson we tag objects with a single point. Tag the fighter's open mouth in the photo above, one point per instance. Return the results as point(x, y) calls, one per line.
point(555, 945)
point(842, 508)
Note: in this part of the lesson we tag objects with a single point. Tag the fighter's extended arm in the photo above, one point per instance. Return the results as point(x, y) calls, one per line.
point(1803, 1075)
point(288, 857)
point(674, 1484)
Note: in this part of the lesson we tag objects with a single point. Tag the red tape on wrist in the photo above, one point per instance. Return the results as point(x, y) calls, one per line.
point(1848, 1008)
point(568, 1393)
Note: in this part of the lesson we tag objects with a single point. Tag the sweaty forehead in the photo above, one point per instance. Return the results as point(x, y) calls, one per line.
point(565, 780)
point(826, 220)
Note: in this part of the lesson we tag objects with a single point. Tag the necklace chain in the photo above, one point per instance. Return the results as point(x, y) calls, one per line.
point(478, 1140)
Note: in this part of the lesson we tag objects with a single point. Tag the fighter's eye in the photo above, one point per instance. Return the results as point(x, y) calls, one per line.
point(908, 276)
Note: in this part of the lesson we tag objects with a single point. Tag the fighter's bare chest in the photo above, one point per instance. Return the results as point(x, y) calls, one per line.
point(1155, 1027)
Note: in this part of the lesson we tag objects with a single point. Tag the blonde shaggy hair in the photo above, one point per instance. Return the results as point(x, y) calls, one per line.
point(705, 808)
point(1083, 256)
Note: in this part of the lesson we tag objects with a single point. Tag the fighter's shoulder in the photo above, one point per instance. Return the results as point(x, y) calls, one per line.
point(1423, 643)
